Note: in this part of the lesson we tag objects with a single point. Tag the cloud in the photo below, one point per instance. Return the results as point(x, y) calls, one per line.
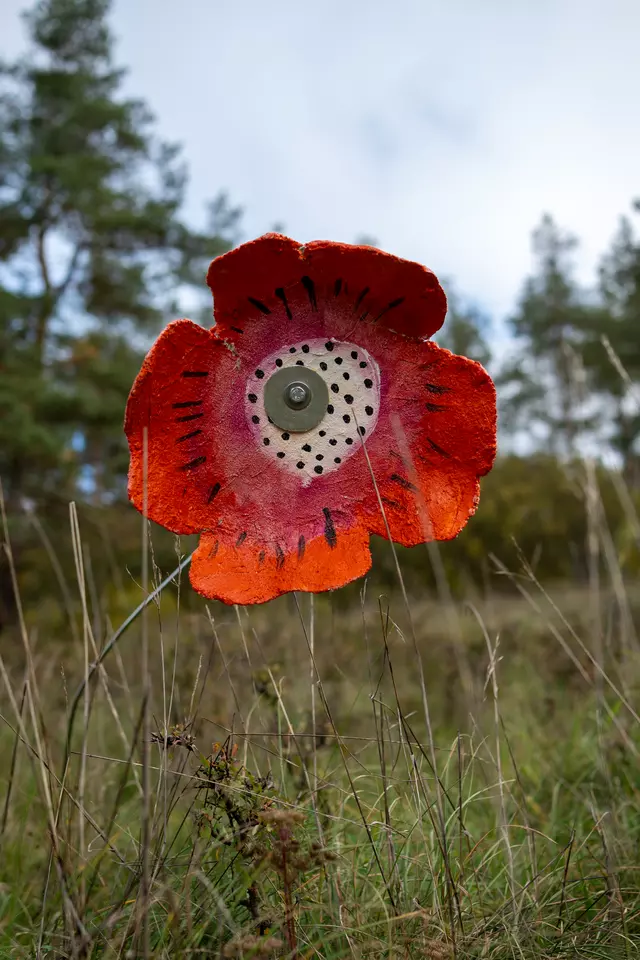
point(443, 129)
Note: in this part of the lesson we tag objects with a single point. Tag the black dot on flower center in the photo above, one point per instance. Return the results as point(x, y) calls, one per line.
point(368, 383)
point(330, 408)
point(361, 431)
point(253, 398)
point(307, 448)
point(368, 411)
point(345, 375)
point(255, 419)
point(285, 436)
point(259, 374)
point(305, 348)
point(319, 456)
point(347, 418)
point(338, 360)
point(348, 398)
point(300, 464)
point(278, 362)
point(362, 364)
point(299, 363)
point(333, 442)
point(318, 469)
point(266, 441)
point(323, 365)
point(354, 355)
point(322, 433)
point(280, 454)
point(349, 441)
point(335, 388)
point(337, 460)
point(292, 349)
point(329, 346)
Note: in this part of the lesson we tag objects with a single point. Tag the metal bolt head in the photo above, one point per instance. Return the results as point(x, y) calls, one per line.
point(297, 396)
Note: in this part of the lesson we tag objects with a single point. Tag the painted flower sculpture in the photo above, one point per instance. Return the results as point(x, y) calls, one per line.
point(314, 413)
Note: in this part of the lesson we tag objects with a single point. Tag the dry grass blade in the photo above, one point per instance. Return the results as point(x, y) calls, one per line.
point(383, 829)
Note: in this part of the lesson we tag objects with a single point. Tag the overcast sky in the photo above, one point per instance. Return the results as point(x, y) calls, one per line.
point(443, 128)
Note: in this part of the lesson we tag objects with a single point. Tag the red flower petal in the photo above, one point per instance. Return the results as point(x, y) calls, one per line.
point(243, 572)
point(322, 289)
point(379, 289)
point(439, 439)
point(171, 399)
point(422, 504)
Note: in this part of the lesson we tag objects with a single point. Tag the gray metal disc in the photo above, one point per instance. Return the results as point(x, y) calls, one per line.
point(296, 398)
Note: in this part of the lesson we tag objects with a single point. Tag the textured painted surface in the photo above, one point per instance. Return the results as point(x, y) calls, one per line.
point(353, 381)
point(426, 416)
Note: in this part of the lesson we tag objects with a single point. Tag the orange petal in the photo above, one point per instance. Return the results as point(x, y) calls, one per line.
point(433, 504)
point(171, 400)
point(245, 572)
point(449, 405)
point(441, 439)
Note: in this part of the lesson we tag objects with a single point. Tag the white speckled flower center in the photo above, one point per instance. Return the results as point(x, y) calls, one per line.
point(353, 383)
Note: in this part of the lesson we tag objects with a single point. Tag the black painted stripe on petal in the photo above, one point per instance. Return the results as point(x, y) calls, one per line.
point(281, 295)
point(391, 503)
point(405, 484)
point(279, 557)
point(390, 306)
point(261, 556)
point(195, 373)
point(310, 287)
point(262, 307)
point(237, 329)
point(213, 493)
point(435, 407)
point(214, 550)
point(188, 436)
point(190, 416)
point(337, 287)
point(329, 529)
point(241, 539)
point(360, 298)
point(194, 463)
point(186, 403)
point(301, 545)
point(434, 446)
point(437, 388)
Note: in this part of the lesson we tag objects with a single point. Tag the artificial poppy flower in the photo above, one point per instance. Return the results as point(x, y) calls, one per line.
point(315, 413)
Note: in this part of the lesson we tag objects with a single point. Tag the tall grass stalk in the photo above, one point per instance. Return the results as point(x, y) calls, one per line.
point(444, 779)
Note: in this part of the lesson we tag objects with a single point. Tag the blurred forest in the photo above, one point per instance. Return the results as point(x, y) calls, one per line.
point(95, 257)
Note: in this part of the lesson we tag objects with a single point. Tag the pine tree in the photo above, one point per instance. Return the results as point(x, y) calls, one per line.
point(93, 253)
point(620, 291)
point(542, 386)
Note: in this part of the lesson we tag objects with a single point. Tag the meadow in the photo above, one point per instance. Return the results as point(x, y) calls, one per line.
point(373, 773)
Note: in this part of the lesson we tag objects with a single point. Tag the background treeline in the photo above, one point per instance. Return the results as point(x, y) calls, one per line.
point(95, 257)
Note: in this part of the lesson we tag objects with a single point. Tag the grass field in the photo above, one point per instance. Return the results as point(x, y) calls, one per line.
point(396, 777)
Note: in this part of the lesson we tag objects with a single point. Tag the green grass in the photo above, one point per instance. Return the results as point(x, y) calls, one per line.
point(292, 791)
